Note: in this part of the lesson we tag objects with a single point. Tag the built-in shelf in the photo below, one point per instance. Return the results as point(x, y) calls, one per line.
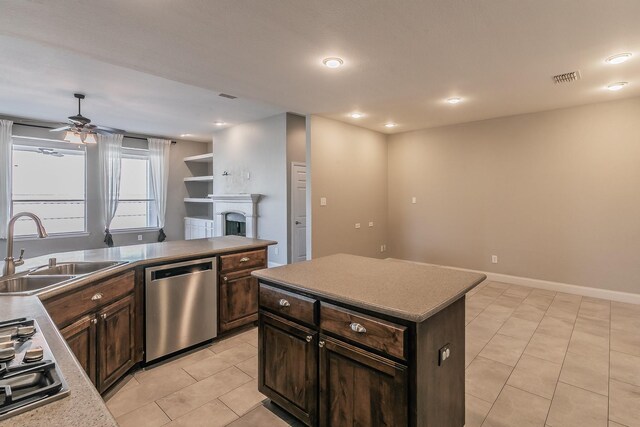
point(198, 178)
point(200, 158)
point(197, 200)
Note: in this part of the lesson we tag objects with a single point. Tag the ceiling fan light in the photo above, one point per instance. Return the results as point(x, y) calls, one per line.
point(90, 139)
point(72, 137)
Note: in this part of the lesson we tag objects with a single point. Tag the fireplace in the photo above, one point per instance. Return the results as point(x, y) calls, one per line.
point(235, 214)
point(235, 224)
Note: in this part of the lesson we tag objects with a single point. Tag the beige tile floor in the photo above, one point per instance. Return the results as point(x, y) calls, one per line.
point(533, 357)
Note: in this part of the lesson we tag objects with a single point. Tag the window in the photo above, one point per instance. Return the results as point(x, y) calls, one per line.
point(136, 206)
point(49, 181)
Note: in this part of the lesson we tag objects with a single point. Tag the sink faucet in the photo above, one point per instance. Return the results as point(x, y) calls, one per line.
point(9, 262)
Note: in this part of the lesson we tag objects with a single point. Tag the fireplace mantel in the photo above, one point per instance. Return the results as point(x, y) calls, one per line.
point(245, 204)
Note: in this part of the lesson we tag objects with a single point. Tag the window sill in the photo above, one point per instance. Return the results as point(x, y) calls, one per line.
point(52, 236)
point(135, 230)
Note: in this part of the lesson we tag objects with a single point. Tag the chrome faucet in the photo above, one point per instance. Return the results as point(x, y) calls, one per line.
point(9, 262)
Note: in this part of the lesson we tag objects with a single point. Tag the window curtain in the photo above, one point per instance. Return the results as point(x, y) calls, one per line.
point(5, 175)
point(110, 157)
point(159, 150)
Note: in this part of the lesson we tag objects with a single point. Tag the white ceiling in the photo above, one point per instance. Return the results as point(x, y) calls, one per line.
point(403, 58)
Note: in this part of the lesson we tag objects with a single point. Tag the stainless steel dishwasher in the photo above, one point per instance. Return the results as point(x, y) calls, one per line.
point(181, 306)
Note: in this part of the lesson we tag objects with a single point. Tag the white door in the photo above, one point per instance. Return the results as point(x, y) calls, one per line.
point(298, 212)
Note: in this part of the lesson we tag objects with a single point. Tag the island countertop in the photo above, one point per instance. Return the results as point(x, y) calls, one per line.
point(401, 289)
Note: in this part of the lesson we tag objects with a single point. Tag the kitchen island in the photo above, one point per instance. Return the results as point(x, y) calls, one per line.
point(52, 306)
point(347, 340)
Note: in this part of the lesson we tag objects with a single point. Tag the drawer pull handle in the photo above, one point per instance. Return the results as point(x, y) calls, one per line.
point(97, 296)
point(284, 303)
point(245, 259)
point(309, 338)
point(358, 328)
point(321, 344)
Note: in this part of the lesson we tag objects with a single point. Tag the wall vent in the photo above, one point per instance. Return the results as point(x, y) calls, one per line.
point(566, 77)
point(226, 95)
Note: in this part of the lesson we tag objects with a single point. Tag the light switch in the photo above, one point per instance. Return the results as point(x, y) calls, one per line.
point(414, 200)
point(370, 223)
point(357, 225)
point(323, 201)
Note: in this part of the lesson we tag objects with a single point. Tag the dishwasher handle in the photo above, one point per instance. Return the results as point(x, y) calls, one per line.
point(180, 270)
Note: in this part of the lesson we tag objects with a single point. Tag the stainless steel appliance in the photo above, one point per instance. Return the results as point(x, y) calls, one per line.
point(181, 306)
point(29, 376)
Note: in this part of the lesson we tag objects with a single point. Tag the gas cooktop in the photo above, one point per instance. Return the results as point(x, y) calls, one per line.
point(29, 376)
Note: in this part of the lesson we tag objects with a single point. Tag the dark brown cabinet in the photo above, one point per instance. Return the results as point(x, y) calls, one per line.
point(115, 346)
point(288, 366)
point(99, 324)
point(238, 290)
point(359, 388)
point(81, 338)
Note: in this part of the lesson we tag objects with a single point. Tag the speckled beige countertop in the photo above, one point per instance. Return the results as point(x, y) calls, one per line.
point(409, 291)
point(84, 406)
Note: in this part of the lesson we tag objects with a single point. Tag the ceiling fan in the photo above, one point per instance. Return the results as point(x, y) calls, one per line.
point(80, 130)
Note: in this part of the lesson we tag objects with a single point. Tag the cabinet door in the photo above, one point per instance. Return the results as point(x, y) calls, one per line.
point(81, 338)
point(116, 339)
point(358, 388)
point(288, 366)
point(238, 299)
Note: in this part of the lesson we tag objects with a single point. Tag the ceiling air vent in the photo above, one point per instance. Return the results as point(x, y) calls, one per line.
point(226, 95)
point(567, 77)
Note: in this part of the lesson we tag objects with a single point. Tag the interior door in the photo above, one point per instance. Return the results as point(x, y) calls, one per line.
point(298, 212)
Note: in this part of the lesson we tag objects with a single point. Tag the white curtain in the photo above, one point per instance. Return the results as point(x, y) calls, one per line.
point(159, 150)
point(5, 175)
point(109, 156)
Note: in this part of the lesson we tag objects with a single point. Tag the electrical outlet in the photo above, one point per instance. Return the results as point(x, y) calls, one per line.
point(370, 223)
point(357, 225)
point(276, 250)
point(139, 237)
point(248, 175)
point(443, 354)
point(414, 200)
point(383, 248)
point(323, 201)
point(494, 259)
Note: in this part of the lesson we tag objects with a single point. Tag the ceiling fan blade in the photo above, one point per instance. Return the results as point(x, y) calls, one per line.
point(110, 130)
point(67, 127)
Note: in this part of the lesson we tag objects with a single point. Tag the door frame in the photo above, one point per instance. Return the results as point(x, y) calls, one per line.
point(292, 222)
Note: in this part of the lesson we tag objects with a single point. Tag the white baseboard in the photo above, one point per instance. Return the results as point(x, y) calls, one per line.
point(548, 285)
point(273, 264)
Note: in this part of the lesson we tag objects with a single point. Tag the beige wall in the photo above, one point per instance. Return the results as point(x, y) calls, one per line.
point(348, 166)
point(556, 195)
point(259, 149)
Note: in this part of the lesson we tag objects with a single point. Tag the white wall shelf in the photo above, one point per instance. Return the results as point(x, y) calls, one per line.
point(208, 178)
point(200, 158)
point(197, 200)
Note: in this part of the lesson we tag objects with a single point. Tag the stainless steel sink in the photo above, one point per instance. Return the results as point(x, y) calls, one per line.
point(73, 268)
point(25, 283)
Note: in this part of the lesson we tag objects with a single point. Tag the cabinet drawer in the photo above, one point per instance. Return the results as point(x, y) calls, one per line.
point(69, 307)
point(377, 334)
point(288, 304)
point(243, 260)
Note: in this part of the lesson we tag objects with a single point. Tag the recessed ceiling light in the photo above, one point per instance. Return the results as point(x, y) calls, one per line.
point(184, 135)
point(618, 59)
point(220, 123)
point(356, 115)
point(333, 62)
point(455, 100)
point(617, 86)
point(390, 125)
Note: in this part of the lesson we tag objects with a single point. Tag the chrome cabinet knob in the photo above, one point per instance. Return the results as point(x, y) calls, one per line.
point(225, 279)
point(309, 338)
point(104, 316)
point(284, 303)
point(358, 328)
point(94, 321)
point(97, 296)
point(321, 344)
